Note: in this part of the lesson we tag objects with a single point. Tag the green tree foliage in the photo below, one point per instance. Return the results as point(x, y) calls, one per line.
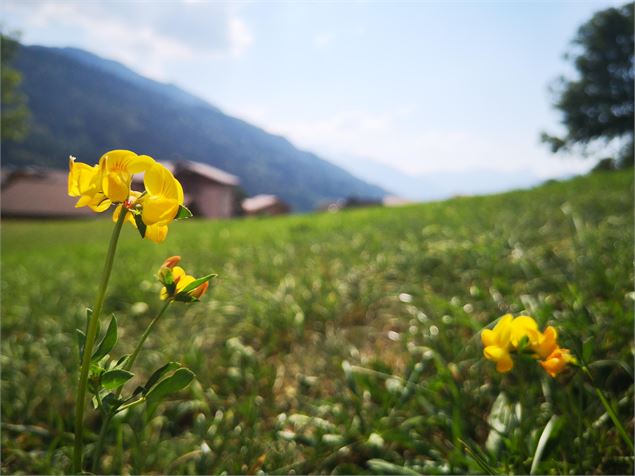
point(15, 113)
point(598, 104)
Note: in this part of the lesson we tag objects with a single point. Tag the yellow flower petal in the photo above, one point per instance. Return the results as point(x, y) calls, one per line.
point(494, 352)
point(488, 337)
point(116, 185)
point(524, 326)
point(125, 160)
point(177, 273)
point(505, 364)
point(160, 182)
point(184, 282)
point(156, 233)
point(158, 210)
point(118, 167)
point(80, 177)
point(547, 343)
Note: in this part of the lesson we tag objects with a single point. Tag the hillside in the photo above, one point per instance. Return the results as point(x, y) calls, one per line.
point(339, 343)
point(85, 105)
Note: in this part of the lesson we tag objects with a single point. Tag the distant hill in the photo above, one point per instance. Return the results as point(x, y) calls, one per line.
point(84, 105)
point(435, 185)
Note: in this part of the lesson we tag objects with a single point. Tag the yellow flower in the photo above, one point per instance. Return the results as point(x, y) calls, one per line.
point(547, 342)
point(84, 182)
point(158, 205)
point(522, 334)
point(524, 326)
point(117, 168)
point(163, 197)
point(175, 282)
point(497, 343)
point(557, 361)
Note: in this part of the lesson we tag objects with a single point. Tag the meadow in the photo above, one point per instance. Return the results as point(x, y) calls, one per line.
point(338, 343)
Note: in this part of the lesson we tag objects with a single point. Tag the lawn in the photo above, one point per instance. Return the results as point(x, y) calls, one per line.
point(338, 343)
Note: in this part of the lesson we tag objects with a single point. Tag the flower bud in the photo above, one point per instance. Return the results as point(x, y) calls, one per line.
point(200, 290)
point(171, 262)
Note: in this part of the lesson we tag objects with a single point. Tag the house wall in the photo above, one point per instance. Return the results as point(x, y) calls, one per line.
point(209, 199)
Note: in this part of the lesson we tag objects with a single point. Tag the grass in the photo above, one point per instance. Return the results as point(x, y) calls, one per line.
point(338, 343)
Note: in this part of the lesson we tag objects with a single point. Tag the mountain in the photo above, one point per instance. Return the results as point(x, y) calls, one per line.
point(84, 105)
point(435, 185)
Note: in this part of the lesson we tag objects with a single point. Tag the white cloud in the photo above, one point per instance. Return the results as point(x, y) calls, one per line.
point(146, 36)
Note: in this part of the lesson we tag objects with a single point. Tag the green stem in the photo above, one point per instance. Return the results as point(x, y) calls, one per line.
point(91, 334)
point(144, 336)
point(609, 410)
point(106, 422)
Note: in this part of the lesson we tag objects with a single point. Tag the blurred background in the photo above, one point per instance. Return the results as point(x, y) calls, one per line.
point(374, 183)
point(419, 101)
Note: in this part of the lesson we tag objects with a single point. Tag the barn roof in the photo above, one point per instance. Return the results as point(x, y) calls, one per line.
point(259, 202)
point(201, 169)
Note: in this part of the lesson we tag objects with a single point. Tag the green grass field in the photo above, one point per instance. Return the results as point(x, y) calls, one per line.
point(338, 343)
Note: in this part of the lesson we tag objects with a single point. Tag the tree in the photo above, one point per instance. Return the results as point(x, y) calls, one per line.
point(597, 106)
point(15, 113)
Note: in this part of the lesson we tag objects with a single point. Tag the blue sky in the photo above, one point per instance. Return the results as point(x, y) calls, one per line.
point(422, 87)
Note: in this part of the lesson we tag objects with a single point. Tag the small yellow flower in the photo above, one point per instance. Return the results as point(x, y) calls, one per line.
point(176, 281)
point(557, 361)
point(522, 335)
point(497, 343)
point(117, 168)
point(181, 280)
point(547, 342)
point(84, 182)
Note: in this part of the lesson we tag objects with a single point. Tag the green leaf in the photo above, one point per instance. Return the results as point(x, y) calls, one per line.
point(140, 225)
point(156, 376)
point(167, 279)
point(175, 382)
point(110, 402)
point(113, 379)
point(81, 341)
point(196, 283)
point(108, 342)
point(122, 361)
point(183, 213)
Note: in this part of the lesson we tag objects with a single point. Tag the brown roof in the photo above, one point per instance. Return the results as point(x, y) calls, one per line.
point(204, 170)
point(36, 192)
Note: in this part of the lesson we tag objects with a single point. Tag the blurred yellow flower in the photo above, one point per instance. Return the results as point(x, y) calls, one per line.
point(521, 334)
point(557, 361)
point(524, 326)
point(497, 343)
point(117, 168)
point(547, 342)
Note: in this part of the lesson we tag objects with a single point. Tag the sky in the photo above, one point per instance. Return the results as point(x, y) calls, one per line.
point(422, 87)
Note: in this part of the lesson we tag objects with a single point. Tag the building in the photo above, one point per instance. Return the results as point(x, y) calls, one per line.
point(264, 205)
point(209, 192)
point(36, 192)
